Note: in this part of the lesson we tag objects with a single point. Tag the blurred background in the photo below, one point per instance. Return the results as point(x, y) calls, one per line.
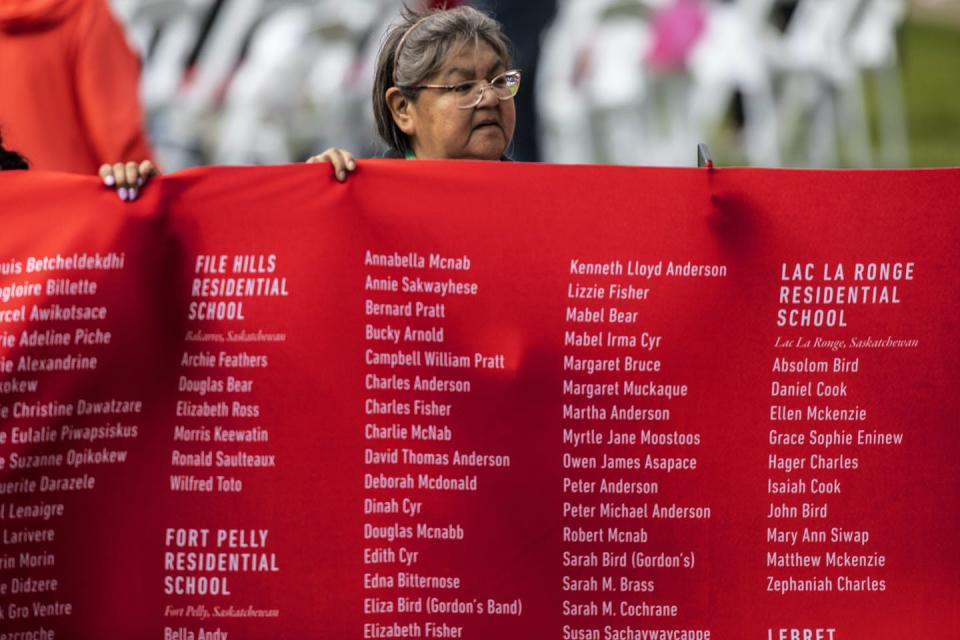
point(794, 83)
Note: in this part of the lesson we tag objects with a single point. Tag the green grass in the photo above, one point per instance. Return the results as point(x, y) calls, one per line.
point(930, 61)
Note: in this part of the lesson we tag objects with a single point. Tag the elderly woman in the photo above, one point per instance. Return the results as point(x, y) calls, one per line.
point(444, 89)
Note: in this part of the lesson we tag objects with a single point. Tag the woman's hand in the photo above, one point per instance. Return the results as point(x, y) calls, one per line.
point(128, 177)
point(342, 161)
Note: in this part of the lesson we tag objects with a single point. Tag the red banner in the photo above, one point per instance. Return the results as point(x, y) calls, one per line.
point(470, 400)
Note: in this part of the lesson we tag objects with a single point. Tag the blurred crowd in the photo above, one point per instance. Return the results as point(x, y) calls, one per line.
point(768, 82)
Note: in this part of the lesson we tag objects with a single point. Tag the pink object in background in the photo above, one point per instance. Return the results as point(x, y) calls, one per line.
point(676, 29)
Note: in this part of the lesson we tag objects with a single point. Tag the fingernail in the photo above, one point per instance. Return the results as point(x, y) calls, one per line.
point(109, 181)
point(122, 192)
point(139, 182)
point(352, 165)
point(134, 192)
point(341, 175)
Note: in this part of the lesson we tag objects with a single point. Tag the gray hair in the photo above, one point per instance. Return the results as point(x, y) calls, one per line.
point(416, 47)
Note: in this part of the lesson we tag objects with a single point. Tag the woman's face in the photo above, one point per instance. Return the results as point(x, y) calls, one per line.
point(438, 129)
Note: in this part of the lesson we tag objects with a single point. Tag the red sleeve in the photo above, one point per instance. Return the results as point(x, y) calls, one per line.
point(108, 74)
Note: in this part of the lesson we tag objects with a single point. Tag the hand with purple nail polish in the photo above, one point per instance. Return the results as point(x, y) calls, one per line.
point(128, 177)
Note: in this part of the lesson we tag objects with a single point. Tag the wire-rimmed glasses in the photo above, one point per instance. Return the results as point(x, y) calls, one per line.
point(468, 94)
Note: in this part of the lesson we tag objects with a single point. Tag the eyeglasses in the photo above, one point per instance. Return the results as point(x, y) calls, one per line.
point(469, 94)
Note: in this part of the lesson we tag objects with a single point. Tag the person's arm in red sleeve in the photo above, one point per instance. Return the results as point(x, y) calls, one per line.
point(107, 81)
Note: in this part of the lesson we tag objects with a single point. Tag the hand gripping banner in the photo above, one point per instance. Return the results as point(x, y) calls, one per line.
point(470, 400)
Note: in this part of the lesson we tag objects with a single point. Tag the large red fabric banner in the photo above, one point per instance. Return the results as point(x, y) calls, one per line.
point(470, 400)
